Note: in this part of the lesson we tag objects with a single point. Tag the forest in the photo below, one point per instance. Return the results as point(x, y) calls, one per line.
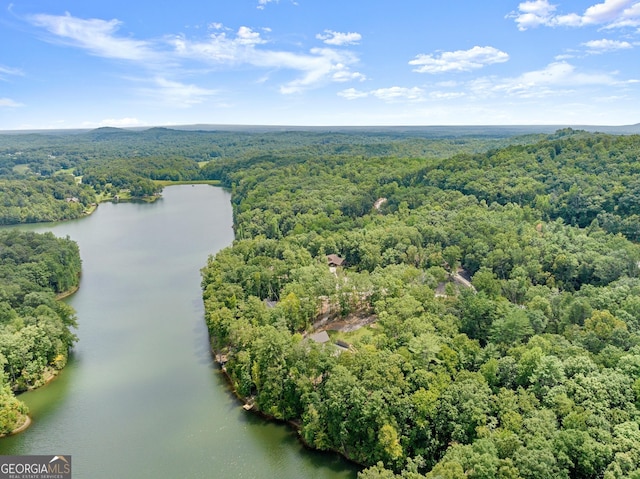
point(49, 176)
point(35, 328)
point(483, 320)
point(478, 294)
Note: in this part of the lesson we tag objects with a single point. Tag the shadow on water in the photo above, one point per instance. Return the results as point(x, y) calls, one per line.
point(290, 440)
point(273, 434)
point(53, 395)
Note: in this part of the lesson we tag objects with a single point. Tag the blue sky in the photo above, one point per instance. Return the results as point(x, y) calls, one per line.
point(91, 63)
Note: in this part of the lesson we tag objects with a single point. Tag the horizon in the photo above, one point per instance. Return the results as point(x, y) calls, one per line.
point(79, 65)
point(212, 127)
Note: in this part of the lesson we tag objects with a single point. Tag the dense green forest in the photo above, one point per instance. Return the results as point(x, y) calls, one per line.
point(35, 328)
point(59, 176)
point(483, 317)
point(530, 370)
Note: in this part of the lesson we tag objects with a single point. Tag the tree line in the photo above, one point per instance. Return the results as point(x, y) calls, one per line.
point(60, 176)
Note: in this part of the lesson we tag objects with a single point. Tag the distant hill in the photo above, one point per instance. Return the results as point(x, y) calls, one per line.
point(433, 130)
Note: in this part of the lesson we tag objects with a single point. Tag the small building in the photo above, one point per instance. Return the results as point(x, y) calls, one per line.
point(321, 337)
point(335, 260)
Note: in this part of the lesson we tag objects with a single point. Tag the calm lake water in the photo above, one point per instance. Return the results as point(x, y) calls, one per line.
point(141, 397)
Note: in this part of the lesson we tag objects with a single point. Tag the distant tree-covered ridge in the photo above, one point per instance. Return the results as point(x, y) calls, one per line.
point(35, 328)
point(530, 370)
point(53, 177)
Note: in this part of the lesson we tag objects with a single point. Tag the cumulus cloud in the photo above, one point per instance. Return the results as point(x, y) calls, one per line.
point(459, 60)
point(605, 45)
point(352, 94)
point(608, 14)
point(94, 35)
point(9, 103)
point(246, 36)
point(337, 38)
point(533, 14)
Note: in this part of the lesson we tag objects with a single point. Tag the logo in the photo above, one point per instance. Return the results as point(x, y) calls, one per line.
point(35, 467)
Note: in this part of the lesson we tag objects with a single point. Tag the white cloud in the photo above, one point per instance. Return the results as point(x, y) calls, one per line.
point(178, 94)
point(353, 94)
point(556, 79)
point(609, 14)
point(444, 95)
point(9, 103)
point(390, 95)
point(8, 71)
point(95, 35)
point(396, 93)
point(533, 14)
point(166, 58)
point(246, 36)
point(459, 60)
point(263, 3)
point(320, 64)
point(337, 38)
point(605, 45)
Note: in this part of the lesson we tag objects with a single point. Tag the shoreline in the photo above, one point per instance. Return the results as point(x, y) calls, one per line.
point(48, 376)
point(69, 292)
point(250, 407)
point(25, 425)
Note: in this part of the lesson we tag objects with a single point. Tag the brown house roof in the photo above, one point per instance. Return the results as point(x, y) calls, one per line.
point(335, 260)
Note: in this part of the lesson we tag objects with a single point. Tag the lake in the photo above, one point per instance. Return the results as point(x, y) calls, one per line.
point(141, 397)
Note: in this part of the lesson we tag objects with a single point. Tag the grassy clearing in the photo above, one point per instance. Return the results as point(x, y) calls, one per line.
point(21, 169)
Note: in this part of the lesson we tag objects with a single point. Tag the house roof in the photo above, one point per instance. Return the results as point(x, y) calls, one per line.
point(320, 337)
point(335, 260)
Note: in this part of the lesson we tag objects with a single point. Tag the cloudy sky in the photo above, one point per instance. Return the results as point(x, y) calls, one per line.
point(91, 63)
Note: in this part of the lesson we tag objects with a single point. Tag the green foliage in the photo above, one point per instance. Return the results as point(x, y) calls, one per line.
point(35, 200)
point(35, 328)
point(532, 372)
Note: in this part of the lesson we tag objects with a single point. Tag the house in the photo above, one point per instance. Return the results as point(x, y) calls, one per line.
point(320, 337)
point(335, 260)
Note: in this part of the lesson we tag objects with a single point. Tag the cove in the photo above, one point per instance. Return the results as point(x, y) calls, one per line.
point(141, 397)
